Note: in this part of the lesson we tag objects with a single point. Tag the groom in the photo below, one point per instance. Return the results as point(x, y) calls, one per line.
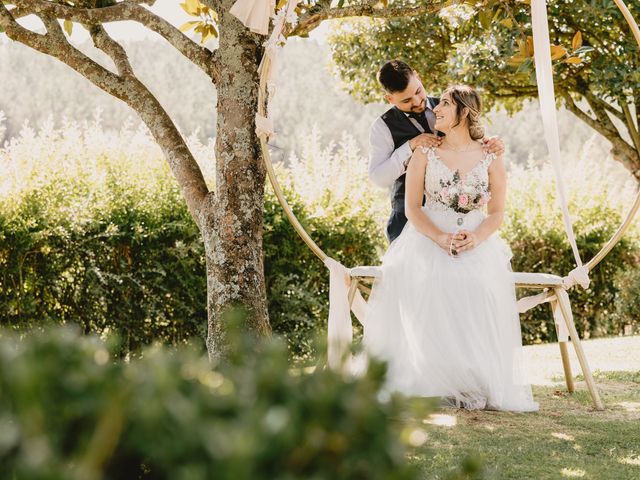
point(399, 131)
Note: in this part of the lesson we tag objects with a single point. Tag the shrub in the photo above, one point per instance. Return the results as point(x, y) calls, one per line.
point(123, 256)
point(533, 227)
point(93, 231)
point(330, 194)
point(68, 410)
point(627, 312)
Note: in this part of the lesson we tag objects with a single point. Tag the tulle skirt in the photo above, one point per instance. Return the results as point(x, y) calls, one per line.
point(448, 326)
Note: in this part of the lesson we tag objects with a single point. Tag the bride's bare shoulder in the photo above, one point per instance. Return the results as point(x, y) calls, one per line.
point(418, 160)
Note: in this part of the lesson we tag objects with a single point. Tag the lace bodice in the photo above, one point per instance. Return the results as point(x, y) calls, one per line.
point(445, 189)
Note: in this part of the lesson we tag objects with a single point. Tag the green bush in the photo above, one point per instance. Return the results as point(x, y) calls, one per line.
point(297, 282)
point(69, 410)
point(627, 312)
point(93, 231)
point(130, 263)
point(534, 229)
point(135, 266)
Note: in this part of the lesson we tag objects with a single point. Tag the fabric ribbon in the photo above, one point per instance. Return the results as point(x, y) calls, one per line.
point(283, 16)
point(340, 331)
point(254, 14)
point(546, 95)
point(561, 324)
point(264, 126)
point(267, 67)
point(527, 303)
point(579, 275)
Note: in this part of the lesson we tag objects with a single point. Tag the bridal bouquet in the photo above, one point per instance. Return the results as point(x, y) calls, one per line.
point(462, 197)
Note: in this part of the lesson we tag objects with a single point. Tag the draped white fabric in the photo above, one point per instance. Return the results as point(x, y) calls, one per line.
point(267, 67)
point(254, 14)
point(546, 94)
point(340, 330)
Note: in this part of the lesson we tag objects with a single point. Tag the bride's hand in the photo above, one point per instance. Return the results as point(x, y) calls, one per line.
point(465, 240)
point(444, 240)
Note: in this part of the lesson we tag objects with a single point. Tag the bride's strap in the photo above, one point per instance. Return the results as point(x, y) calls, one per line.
point(488, 158)
point(430, 151)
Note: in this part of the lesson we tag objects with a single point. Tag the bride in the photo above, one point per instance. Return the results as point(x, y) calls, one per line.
point(444, 313)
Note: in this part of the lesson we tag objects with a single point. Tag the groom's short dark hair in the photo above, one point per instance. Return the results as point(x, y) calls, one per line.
point(394, 75)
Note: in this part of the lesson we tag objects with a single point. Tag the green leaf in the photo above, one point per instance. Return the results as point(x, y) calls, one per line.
point(573, 60)
point(584, 50)
point(485, 19)
point(68, 27)
point(185, 27)
point(191, 7)
point(557, 52)
point(577, 40)
point(210, 32)
point(507, 22)
point(525, 66)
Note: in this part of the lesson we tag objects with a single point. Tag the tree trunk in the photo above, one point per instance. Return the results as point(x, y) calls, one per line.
point(234, 224)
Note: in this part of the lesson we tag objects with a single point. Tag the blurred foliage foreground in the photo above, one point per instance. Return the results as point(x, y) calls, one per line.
point(70, 410)
point(93, 231)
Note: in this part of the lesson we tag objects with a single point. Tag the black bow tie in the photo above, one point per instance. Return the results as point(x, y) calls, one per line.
point(421, 118)
point(415, 115)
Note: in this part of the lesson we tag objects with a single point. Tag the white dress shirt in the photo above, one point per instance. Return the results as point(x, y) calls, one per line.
point(387, 163)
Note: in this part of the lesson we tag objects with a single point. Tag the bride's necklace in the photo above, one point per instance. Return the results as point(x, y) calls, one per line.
point(460, 150)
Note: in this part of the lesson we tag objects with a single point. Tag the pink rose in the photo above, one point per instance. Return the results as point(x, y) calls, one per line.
point(463, 200)
point(444, 192)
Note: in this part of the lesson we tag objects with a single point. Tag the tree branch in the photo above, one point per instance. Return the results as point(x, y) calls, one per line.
point(126, 88)
point(599, 109)
point(602, 105)
point(127, 10)
point(584, 116)
point(311, 19)
point(622, 151)
point(633, 131)
point(116, 52)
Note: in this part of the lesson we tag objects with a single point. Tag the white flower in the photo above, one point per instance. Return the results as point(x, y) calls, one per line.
point(292, 17)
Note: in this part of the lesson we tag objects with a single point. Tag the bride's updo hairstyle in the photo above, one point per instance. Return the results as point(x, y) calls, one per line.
point(466, 97)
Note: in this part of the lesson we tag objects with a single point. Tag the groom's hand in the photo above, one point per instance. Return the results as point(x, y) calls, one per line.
point(493, 145)
point(425, 140)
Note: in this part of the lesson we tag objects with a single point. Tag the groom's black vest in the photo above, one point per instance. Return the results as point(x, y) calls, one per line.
point(402, 130)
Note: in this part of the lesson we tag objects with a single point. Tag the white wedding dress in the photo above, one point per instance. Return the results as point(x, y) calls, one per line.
point(448, 326)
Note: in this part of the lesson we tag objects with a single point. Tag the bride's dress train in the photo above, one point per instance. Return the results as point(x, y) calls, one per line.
point(448, 327)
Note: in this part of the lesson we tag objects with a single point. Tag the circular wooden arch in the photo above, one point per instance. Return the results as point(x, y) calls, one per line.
point(262, 107)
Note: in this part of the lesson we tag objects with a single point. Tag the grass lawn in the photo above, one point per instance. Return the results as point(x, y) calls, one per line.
point(567, 438)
